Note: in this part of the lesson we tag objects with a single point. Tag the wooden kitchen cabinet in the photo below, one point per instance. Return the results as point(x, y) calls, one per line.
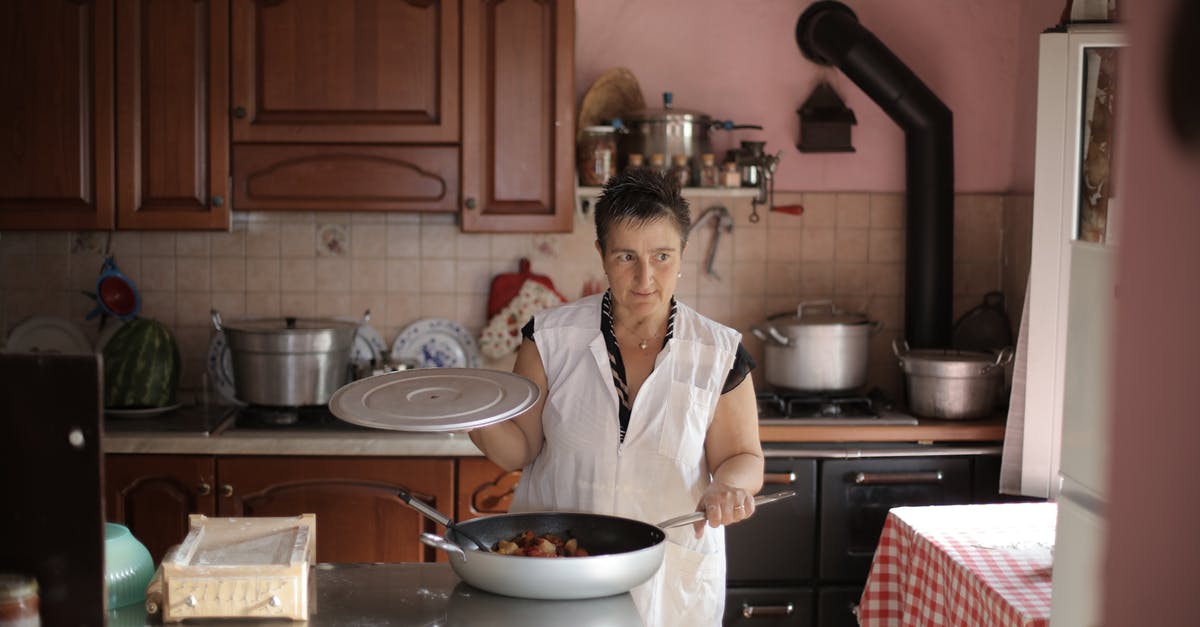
point(154, 494)
point(518, 65)
point(483, 488)
point(118, 114)
point(359, 516)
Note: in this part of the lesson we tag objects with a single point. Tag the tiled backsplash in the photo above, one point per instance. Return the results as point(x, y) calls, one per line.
point(403, 267)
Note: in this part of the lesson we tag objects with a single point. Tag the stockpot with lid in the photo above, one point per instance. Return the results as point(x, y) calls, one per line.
point(669, 131)
point(820, 348)
point(949, 383)
point(288, 362)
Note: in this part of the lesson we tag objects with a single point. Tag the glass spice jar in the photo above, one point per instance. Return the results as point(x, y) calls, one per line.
point(18, 601)
point(710, 174)
point(635, 161)
point(730, 176)
point(680, 170)
point(597, 155)
point(658, 163)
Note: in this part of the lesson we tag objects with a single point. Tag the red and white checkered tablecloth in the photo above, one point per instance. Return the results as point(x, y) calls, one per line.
point(962, 565)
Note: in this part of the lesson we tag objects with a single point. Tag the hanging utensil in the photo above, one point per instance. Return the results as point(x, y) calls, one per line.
point(724, 222)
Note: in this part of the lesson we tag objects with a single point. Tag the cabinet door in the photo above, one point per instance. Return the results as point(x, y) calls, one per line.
point(154, 494)
point(359, 516)
point(172, 114)
point(364, 71)
point(518, 170)
point(56, 115)
point(483, 488)
point(790, 554)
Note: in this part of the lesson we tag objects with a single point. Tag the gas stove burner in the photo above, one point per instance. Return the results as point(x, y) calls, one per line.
point(793, 404)
point(302, 418)
point(274, 416)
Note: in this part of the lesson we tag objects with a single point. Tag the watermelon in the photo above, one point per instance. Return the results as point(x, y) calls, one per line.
point(141, 366)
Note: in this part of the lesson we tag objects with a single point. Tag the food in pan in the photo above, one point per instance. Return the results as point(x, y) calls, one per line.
point(530, 544)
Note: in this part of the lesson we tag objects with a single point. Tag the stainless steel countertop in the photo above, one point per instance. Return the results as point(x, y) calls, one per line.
point(421, 594)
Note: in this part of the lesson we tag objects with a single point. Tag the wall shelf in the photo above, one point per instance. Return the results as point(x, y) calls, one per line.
point(585, 196)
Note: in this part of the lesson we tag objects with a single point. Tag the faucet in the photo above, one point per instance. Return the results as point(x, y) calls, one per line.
point(724, 222)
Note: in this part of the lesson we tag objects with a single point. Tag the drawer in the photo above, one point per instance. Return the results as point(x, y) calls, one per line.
point(767, 607)
point(836, 607)
point(777, 543)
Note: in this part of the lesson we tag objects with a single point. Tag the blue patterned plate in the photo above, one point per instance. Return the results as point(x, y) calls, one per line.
point(436, 343)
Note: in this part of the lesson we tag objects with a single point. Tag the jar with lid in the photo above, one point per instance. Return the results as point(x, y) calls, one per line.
point(658, 163)
point(636, 160)
point(710, 174)
point(597, 155)
point(730, 176)
point(680, 170)
point(18, 601)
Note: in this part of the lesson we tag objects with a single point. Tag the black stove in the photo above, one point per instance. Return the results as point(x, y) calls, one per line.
point(794, 407)
point(302, 418)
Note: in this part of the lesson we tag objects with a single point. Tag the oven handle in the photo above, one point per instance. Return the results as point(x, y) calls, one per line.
point(893, 478)
point(779, 478)
point(756, 611)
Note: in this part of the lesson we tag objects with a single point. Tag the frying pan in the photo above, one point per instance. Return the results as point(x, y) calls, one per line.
point(622, 553)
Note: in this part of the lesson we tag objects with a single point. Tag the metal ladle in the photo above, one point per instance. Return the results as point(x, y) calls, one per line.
point(438, 517)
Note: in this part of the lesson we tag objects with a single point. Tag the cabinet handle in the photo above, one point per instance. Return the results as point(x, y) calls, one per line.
point(204, 489)
point(754, 611)
point(777, 478)
point(239, 112)
point(227, 490)
point(470, 203)
point(218, 201)
point(892, 478)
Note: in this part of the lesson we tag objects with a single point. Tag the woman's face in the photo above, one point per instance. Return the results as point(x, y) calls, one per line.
point(642, 262)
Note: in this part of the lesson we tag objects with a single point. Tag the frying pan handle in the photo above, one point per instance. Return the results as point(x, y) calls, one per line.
point(438, 542)
point(692, 517)
point(420, 506)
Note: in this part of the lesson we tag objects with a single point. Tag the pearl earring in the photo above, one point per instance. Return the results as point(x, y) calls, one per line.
point(679, 276)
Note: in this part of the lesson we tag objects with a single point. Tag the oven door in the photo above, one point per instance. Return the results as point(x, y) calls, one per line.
point(776, 544)
point(856, 495)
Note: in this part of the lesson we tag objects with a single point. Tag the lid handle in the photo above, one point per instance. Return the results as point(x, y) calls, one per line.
point(216, 318)
point(814, 304)
point(667, 98)
point(290, 321)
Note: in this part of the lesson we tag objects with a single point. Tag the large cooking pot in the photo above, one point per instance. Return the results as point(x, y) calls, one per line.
point(818, 349)
point(288, 361)
point(952, 384)
point(669, 131)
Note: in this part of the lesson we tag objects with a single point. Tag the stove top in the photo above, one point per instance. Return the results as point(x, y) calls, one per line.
point(303, 418)
point(789, 407)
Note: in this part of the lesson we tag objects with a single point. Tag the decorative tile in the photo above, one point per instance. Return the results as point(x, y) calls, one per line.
point(333, 240)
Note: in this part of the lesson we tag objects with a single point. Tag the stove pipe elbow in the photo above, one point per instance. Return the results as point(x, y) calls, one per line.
point(829, 33)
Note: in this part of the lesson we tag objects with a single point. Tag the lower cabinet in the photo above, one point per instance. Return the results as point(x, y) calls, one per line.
point(359, 516)
point(769, 606)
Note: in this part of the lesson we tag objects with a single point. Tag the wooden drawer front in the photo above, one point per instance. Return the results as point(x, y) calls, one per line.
point(345, 178)
point(765, 607)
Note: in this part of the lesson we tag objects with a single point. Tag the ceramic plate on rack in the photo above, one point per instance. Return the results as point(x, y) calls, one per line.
point(220, 369)
point(369, 347)
point(144, 412)
point(436, 343)
point(433, 400)
point(48, 334)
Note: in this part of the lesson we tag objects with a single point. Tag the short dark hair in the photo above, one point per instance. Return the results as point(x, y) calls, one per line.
point(639, 196)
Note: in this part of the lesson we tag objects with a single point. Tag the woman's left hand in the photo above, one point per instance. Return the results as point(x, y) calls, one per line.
point(723, 505)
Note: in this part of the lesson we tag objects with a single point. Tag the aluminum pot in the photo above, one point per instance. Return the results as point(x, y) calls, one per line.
point(818, 349)
point(288, 362)
point(952, 384)
point(669, 131)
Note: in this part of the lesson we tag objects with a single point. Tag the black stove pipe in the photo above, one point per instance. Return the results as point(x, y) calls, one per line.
point(829, 33)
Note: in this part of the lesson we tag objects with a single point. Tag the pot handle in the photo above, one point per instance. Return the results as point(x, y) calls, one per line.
point(1002, 359)
point(216, 318)
point(896, 344)
point(438, 542)
point(770, 334)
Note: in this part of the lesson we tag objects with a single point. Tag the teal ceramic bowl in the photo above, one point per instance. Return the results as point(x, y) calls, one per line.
point(128, 567)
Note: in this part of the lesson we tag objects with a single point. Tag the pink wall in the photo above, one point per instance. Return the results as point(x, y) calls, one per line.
point(1153, 547)
point(737, 59)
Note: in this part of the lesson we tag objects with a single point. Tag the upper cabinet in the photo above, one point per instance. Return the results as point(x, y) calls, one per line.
point(167, 114)
point(115, 114)
point(518, 131)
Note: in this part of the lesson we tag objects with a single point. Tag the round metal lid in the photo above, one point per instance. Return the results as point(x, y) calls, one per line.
point(287, 325)
point(434, 399)
point(947, 362)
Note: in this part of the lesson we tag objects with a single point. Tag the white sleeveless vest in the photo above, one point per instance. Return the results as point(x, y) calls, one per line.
point(659, 471)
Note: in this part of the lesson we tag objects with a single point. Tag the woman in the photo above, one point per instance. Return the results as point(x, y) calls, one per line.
point(646, 410)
